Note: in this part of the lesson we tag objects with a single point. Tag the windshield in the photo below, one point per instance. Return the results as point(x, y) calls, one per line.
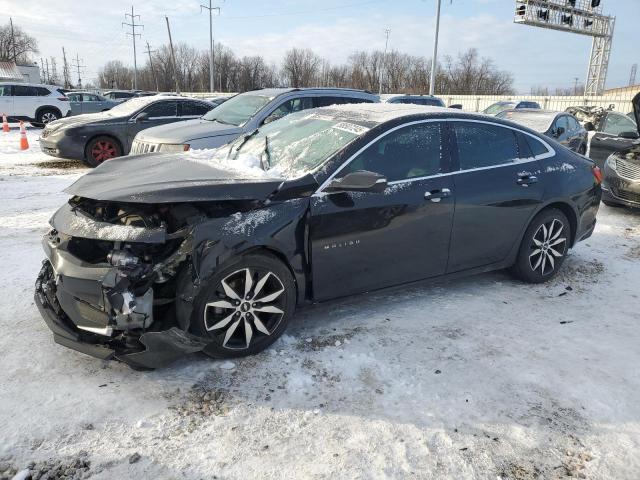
point(294, 145)
point(130, 106)
point(238, 110)
point(498, 107)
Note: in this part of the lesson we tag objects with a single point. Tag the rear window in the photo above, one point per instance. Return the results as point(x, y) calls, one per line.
point(483, 145)
point(25, 91)
point(536, 146)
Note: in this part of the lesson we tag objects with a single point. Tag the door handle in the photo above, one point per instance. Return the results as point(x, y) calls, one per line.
point(436, 195)
point(526, 180)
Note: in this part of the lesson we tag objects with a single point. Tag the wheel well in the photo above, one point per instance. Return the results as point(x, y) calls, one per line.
point(280, 256)
point(570, 214)
point(86, 145)
point(48, 107)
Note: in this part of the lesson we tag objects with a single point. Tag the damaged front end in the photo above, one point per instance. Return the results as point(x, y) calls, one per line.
point(108, 286)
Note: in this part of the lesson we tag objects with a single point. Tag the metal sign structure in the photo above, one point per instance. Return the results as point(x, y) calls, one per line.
point(584, 17)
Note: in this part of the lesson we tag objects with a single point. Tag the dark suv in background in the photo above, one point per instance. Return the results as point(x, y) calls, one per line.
point(242, 114)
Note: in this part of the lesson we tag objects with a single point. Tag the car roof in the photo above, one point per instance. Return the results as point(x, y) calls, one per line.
point(27, 84)
point(387, 96)
point(533, 111)
point(378, 113)
point(274, 92)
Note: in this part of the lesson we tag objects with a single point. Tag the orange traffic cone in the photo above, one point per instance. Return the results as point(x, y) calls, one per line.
point(5, 124)
point(24, 143)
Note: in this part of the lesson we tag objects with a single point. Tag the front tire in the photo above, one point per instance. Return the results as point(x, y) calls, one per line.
point(245, 306)
point(544, 247)
point(101, 149)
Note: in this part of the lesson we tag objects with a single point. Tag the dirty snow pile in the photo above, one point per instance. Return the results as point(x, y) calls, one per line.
point(482, 377)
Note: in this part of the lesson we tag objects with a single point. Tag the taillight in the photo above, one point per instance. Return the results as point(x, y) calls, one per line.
point(597, 174)
point(63, 99)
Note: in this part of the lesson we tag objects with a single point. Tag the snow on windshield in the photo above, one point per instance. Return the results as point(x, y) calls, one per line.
point(131, 106)
point(238, 110)
point(540, 122)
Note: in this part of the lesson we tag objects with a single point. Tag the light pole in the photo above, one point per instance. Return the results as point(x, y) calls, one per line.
point(387, 32)
point(434, 60)
point(211, 77)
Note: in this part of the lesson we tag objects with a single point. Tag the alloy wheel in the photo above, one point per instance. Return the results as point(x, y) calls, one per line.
point(547, 246)
point(48, 117)
point(251, 303)
point(103, 150)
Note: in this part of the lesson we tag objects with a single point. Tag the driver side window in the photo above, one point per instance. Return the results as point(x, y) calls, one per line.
point(615, 124)
point(162, 109)
point(290, 106)
point(409, 152)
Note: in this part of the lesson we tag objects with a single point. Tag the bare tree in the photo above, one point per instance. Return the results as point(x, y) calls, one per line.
point(300, 67)
point(17, 48)
point(115, 74)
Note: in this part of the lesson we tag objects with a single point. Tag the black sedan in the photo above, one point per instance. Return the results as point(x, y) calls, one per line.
point(621, 184)
point(148, 262)
point(562, 127)
point(97, 137)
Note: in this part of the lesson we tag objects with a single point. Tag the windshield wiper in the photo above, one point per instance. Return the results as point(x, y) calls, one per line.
point(267, 154)
point(246, 139)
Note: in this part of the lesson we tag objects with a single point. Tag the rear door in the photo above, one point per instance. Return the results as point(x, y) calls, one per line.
point(92, 103)
point(496, 193)
point(6, 100)
point(365, 241)
point(607, 140)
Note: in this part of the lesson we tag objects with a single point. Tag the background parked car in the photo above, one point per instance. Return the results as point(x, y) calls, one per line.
point(35, 103)
point(242, 114)
point(613, 131)
point(217, 100)
point(429, 100)
point(562, 127)
point(119, 95)
point(97, 137)
point(508, 105)
point(621, 182)
point(87, 102)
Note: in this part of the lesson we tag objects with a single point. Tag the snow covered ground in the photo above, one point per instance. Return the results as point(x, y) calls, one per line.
point(483, 377)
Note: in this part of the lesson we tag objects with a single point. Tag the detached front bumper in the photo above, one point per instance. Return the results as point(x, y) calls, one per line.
point(90, 310)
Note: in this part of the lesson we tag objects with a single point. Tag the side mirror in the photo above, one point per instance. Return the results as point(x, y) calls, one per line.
point(358, 181)
point(144, 116)
point(630, 135)
point(559, 131)
point(456, 105)
point(272, 118)
point(589, 126)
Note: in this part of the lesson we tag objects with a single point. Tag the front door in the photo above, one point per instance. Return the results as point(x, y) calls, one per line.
point(158, 113)
point(365, 241)
point(496, 193)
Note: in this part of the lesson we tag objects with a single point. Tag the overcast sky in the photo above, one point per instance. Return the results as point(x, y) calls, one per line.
point(333, 29)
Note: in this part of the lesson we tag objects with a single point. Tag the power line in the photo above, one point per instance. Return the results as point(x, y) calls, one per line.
point(79, 66)
point(153, 71)
point(211, 9)
point(133, 34)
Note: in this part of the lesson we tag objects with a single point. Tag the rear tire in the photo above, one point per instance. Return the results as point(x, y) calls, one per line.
point(101, 149)
point(47, 115)
point(245, 306)
point(544, 247)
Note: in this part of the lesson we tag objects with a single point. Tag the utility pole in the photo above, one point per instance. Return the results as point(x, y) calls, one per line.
point(46, 65)
point(78, 66)
point(387, 32)
point(434, 60)
point(575, 86)
point(13, 41)
point(173, 57)
point(43, 75)
point(65, 70)
point(133, 34)
point(211, 76)
point(153, 72)
point(632, 77)
point(54, 73)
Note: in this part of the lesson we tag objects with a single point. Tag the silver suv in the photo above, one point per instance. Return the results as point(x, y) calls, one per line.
point(241, 114)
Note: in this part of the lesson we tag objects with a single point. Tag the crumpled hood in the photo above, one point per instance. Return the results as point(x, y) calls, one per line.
point(185, 131)
point(169, 178)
